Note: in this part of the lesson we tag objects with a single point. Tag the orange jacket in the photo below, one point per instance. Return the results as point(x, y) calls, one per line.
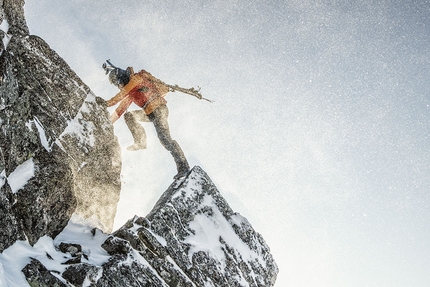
point(143, 90)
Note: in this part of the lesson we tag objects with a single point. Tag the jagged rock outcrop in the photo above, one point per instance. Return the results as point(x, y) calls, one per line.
point(191, 238)
point(57, 149)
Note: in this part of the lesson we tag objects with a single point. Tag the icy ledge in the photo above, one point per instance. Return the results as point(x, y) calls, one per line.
point(191, 238)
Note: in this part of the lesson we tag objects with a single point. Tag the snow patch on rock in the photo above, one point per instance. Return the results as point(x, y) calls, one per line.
point(79, 127)
point(46, 250)
point(44, 140)
point(20, 176)
point(4, 26)
point(2, 179)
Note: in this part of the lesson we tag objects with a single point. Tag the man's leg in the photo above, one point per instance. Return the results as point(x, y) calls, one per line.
point(159, 118)
point(132, 120)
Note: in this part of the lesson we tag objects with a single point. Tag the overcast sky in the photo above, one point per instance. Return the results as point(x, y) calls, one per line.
point(319, 133)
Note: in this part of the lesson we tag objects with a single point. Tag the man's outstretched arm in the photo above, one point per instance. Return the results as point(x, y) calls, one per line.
point(120, 109)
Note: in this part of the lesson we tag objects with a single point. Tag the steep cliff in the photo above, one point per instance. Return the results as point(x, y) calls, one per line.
point(54, 139)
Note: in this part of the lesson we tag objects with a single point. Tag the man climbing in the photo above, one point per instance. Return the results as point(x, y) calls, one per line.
point(147, 92)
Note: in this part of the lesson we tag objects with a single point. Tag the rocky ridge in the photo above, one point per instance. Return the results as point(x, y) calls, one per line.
point(190, 238)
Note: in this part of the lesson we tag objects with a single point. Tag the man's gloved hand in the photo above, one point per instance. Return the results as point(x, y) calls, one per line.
point(101, 102)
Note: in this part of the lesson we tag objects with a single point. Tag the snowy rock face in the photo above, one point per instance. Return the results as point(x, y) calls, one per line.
point(60, 183)
point(190, 238)
point(58, 154)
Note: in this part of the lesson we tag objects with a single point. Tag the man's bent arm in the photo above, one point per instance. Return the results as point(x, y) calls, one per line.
point(134, 81)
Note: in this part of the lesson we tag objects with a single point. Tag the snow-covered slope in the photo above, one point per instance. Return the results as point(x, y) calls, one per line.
point(190, 238)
